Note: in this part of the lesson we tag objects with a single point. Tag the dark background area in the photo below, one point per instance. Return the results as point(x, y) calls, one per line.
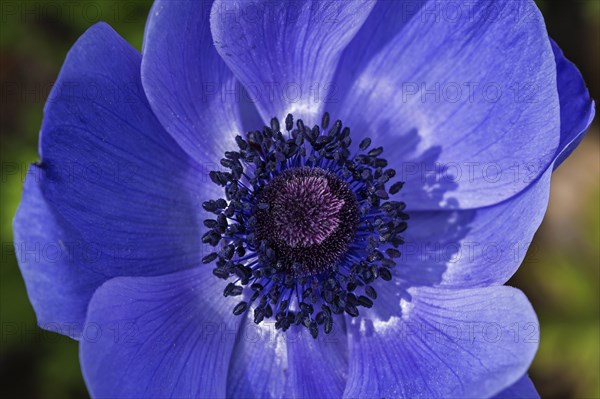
point(560, 275)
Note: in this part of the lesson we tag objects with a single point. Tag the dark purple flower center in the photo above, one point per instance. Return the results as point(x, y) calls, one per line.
point(309, 217)
point(306, 227)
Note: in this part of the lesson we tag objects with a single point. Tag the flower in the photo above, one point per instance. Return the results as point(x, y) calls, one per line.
point(470, 103)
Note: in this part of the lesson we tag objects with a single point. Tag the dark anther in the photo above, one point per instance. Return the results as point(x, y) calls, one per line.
point(396, 187)
point(385, 274)
point(209, 258)
point(275, 124)
point(364, 144)
point(289, 122)
point(325, 120)
point(240, 308)
point(370, 291)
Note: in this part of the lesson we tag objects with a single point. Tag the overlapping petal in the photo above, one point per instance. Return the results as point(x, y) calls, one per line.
point(58, 266)
point(110, 174)
point(522, 389)
point(111, 169)
point(462, 89)
point(191, 90)
point(441, 343)
point(285, 53)
point(576, 107)
point(269, 363)
point(473, 248)
point(162, 337)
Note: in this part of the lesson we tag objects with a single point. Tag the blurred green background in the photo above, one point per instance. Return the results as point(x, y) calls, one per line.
point(560, 275)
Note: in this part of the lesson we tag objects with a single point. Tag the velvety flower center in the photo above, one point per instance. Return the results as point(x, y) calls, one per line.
point(306, 227)
point(309, 217)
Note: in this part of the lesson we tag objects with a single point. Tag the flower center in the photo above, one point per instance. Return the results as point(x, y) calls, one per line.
point(309, 217)
point(306, 224)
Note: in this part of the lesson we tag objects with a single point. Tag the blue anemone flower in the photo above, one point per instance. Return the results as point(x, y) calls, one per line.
point(300, 199)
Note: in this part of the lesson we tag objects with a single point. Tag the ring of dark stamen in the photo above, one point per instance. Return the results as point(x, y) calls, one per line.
point(246, 258)
point(310, 256)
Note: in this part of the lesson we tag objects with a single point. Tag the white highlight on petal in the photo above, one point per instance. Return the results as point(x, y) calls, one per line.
point(406, 307)
point(382, 326)
point(306, 111)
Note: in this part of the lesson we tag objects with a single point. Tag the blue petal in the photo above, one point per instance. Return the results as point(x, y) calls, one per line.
point(268, 363)
point(285, 53)
point(111, 169)
point(160, 337)
point(473, 248)
point(441, 343)
point(57, 265)
point(522, 389)
point(576, 106)
point(385, 21)
point(189, 87)
point(461, 94)
point(111, 173)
